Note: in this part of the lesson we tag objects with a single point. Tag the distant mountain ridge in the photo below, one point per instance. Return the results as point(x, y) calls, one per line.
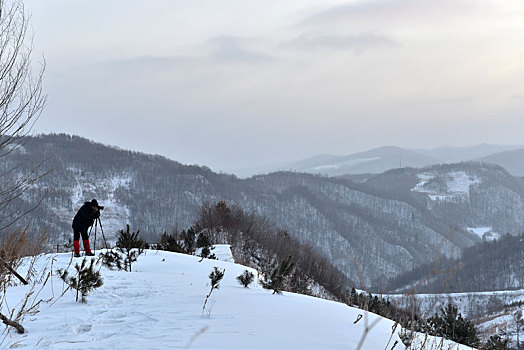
point(384, 226)
point(512, 161)
point(379, 160)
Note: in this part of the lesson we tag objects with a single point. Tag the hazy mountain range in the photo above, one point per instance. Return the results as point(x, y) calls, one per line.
point(381, 159)
point(387, 225)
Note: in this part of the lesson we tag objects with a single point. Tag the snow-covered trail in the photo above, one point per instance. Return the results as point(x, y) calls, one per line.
point(159, 306)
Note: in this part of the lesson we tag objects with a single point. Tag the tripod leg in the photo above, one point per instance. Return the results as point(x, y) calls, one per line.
point(89, 237)
point(102, 230)
point(94, 243)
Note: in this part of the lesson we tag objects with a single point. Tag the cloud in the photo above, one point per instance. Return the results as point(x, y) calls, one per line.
point(402, 11)
point(451, 100)
point(356, 42)
point(235, 49)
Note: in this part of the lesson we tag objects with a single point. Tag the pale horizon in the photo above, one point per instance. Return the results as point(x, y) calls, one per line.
point(235, 85)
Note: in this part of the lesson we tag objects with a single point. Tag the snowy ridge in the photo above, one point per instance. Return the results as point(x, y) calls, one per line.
point(341, 164)
point(159, 306)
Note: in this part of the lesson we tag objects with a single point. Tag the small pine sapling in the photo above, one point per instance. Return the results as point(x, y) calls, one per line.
point(202, 240)
point(204, 243)
point(215, 276)
point(246, 278)
point(112, 260)
point(277, 279)
point(86, 279)
point(188, 238)
point(206, 253)
point(496, 342)
point(170, 243)
point(131, 245)
point(450, 324)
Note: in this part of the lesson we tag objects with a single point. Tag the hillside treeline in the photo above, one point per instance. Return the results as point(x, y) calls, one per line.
point(258, 243)
point(486, 266)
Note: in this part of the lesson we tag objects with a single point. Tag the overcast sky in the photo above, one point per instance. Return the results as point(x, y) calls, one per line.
point(243, 83)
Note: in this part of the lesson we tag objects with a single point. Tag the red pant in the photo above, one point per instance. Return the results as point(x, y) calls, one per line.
point(76, 242)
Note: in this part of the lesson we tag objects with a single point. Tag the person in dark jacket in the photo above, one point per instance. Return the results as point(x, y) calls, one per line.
point(84, 218)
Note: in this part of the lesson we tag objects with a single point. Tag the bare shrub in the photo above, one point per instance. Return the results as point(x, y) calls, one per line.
point(14, 246)
point(21, 101)
point(17, 252)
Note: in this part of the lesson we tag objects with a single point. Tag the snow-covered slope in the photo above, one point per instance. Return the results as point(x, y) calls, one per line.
point(448, 186)
point(159, 306)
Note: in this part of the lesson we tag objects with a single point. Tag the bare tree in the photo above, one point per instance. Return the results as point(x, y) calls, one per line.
point(21, 102)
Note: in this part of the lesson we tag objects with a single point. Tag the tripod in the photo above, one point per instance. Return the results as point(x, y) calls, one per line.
point(98, 222)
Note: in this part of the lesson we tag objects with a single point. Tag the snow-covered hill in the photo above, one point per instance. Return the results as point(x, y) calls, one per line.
point(159, 306)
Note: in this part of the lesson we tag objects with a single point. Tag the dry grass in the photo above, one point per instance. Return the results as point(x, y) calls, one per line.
point(14, 247)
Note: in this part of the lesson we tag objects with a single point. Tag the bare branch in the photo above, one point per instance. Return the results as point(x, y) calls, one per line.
point(12, 323)
point(6, 265)
point(21, 102)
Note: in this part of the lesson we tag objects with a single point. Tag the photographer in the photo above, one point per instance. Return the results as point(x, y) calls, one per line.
point(85, 218)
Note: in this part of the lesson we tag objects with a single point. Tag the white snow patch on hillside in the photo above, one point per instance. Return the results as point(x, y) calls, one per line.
point(456, 185)
point(484, 232)
point(479, 231)
point(159, 306)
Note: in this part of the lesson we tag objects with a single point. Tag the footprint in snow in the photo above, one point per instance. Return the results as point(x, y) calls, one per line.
point(83, 328)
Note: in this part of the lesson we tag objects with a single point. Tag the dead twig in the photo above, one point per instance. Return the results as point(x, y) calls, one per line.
point(6, 265)
point(12, 323)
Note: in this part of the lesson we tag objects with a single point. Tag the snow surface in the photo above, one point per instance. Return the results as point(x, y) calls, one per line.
point(457, 185)
point(159, 306)
point(501, 322)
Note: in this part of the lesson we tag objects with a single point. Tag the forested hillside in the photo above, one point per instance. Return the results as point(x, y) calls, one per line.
point(387, 225)
point(487, 266)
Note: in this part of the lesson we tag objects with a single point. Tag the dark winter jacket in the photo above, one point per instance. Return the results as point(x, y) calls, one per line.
point(85, 217)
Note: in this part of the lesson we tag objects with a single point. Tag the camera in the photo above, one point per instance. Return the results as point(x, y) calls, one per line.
point(100, 207)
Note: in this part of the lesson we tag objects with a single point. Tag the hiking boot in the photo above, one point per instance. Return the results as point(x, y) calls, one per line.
point(77, 255)
point(90, 254)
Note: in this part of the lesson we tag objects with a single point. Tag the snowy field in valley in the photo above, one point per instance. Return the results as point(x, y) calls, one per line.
point(159, 306)
point(467, 303)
